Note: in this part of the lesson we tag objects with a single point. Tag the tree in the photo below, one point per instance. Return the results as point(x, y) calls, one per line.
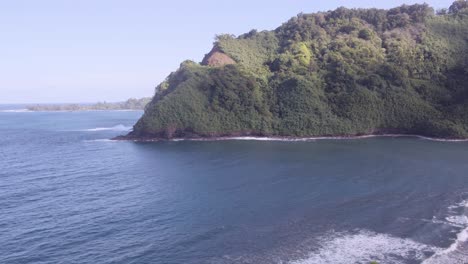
point(342, 13)
point(365, 34)
point(442, 11)
point(222, 37)
point(302, 53)
point(398, 20)
point(457, 6)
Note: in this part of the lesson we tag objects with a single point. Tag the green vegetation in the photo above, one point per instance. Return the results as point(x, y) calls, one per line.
point(343, 72)
point(130, 104)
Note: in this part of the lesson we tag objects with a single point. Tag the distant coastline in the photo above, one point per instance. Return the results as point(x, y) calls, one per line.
point(130, 104)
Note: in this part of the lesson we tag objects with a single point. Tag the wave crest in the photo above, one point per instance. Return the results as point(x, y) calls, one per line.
point(114, 128)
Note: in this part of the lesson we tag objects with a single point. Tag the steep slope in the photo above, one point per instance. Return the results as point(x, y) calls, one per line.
point(343, 72)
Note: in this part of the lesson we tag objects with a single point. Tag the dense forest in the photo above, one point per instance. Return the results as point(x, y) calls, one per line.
point(342, 73)
point(130, 104)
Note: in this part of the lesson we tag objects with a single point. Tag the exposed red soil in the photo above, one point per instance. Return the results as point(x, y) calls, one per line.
point(217, 58)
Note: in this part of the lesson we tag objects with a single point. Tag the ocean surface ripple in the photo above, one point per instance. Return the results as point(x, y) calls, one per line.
point(68, 194)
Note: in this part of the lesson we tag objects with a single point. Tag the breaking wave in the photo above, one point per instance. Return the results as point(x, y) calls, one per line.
point(114, 128)
point(100, 140)
point(364, 247)
point(15, 111)
point(457, 252)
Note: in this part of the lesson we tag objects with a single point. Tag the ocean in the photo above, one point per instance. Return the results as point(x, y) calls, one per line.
point(68, 194)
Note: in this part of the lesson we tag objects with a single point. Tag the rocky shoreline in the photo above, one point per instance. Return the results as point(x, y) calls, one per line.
point(282, 138)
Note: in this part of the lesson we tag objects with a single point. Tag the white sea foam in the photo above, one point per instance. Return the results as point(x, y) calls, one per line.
point(251, 138)
point(293, 139)
point(458, 220)
point(269, 139)
point(16, 111)
point(101, 140)
point(457, 252)
point(114, 128)
point(364, 247)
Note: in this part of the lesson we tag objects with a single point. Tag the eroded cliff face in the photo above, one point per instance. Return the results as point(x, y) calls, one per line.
point(217, 58)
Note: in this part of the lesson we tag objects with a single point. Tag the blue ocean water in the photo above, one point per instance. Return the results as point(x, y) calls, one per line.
point(70, 195)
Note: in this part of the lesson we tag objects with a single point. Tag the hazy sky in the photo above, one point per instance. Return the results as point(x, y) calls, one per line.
point(96, 50)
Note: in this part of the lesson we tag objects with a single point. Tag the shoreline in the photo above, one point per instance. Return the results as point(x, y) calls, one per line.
point(286, 139)
point(25, 110)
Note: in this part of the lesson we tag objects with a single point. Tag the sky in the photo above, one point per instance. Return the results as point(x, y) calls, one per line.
point(70, 51)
